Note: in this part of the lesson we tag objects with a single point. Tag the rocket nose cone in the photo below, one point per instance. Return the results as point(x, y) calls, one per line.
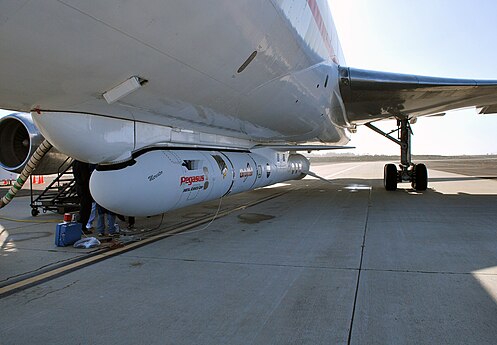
point(143, 189)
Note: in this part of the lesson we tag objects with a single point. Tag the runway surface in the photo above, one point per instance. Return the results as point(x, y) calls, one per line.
point(324, 263)
point(471, 166)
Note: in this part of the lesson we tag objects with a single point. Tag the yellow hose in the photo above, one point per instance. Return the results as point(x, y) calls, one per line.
point(44, 147)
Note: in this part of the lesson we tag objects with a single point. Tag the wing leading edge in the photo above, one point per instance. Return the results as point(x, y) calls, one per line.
point(373, 95)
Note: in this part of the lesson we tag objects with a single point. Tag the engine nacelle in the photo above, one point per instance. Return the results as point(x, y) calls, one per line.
point(19, 139)
point(164, 180)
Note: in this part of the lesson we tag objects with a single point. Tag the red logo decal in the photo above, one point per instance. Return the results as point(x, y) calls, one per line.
point(191, 179)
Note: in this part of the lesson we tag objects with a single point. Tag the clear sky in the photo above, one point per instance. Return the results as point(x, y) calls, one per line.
point(456, 38)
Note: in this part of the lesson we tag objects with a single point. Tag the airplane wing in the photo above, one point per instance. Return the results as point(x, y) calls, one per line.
point(371, 95)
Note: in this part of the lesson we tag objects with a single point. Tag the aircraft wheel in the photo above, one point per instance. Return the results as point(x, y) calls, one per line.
point(390, 177)
point(420, 181)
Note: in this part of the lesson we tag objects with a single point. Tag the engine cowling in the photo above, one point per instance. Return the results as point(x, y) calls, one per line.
point(19, 139)
point(164, 180)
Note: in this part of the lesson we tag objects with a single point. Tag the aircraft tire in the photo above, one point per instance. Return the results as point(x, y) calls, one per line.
point(420, 181)
point(390, 177)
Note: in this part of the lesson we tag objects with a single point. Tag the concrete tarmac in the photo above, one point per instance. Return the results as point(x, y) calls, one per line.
point(326, 263)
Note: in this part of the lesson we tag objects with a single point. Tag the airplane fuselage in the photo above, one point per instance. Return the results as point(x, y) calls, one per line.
point(233, 73)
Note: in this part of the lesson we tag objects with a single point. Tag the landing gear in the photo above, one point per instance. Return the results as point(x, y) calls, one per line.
point(420, 178)
point(390, 177)
point(417, 174)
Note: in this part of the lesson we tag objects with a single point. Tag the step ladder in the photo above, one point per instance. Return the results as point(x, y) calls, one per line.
point(60, 195)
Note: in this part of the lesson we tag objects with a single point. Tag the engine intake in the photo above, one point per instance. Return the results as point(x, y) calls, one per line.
point(19, 139)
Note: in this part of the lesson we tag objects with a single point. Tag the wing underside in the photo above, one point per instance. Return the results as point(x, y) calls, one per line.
point(372, 95)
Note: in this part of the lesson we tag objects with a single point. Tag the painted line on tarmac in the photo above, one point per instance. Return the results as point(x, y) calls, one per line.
point(60, 271)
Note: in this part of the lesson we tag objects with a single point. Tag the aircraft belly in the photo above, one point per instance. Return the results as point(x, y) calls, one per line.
point(87, 137)
point(213, 37)
point(63, 55)
point(102, 43)
point(296, 104)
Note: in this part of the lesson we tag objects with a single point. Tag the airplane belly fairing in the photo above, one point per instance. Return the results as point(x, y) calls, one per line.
point(295, 108)
point(103, 139)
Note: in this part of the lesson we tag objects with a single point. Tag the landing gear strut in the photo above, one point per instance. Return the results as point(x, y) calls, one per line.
point(417, 174)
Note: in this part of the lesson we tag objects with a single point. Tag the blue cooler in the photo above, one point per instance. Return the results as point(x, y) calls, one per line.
point(67, 233)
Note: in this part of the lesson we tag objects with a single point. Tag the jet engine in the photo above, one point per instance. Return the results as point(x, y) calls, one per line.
point(162, 180)
point(19, 139)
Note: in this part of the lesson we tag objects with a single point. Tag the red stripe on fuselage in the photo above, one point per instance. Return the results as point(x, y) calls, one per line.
point(316, 13)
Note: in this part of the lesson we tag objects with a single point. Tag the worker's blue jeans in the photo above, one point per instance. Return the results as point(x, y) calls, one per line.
point(111, 220)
